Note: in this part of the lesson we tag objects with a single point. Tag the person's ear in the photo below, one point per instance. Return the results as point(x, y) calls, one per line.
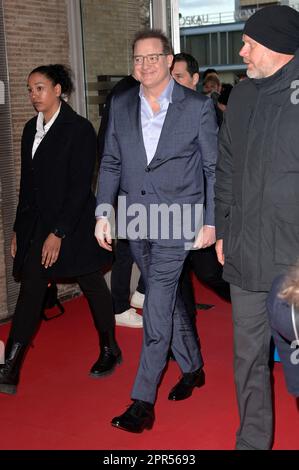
point(169, 58)
point(57, 90)
point(195, 79)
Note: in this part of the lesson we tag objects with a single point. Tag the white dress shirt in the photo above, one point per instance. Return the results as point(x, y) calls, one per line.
point(42, 129)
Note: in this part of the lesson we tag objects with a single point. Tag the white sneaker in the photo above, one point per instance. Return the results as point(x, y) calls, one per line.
point(137, 299)
point(129, 318)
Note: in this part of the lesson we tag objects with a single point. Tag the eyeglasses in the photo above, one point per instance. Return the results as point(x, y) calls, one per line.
point(151, 58)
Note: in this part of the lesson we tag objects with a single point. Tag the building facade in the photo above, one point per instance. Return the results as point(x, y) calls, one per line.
point(32, 33)
point(215, 39)
point(94, 38)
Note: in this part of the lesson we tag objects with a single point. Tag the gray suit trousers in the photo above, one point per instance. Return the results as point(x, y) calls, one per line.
point(165, 321)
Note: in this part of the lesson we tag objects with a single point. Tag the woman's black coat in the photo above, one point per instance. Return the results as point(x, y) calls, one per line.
point(55, 192)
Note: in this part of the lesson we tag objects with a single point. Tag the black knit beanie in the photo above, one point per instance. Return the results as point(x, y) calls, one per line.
point(275, 27)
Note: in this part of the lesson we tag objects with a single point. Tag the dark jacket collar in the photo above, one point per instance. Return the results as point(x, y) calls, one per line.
point(67, 114)
point(178, 93)
point(281, 79)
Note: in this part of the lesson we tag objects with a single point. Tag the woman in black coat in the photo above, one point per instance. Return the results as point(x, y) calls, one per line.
point(283, 310)
point(54, 225)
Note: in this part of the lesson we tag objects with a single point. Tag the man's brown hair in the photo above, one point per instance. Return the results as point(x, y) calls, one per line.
point(153, 34)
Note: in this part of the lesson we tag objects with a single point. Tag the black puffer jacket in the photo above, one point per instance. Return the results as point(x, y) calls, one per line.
point(257, 179)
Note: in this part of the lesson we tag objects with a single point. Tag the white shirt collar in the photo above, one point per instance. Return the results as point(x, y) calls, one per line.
point(40, 127)
point(166, 95)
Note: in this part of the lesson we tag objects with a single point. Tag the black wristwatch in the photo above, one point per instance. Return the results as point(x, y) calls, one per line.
point(58, 233)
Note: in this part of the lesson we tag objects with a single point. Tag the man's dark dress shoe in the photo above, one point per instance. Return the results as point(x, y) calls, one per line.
point(184, 388)
point(106, 363)
point(139, 416)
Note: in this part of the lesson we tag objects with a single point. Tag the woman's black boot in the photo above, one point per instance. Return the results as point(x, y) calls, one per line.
point(10, 370)
point(109, 357)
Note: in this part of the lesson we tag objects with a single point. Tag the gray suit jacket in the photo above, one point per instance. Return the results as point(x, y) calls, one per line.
point(183, 168)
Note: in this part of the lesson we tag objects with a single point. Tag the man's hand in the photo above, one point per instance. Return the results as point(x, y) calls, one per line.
point(50, 251)
point(13, 245)
point(103, 233)
point(206, 237)
point(219, 251)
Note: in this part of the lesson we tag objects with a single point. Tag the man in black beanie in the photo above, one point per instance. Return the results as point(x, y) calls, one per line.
point(257, 203)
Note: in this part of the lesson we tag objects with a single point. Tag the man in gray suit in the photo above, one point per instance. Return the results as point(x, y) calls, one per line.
point(160, 152)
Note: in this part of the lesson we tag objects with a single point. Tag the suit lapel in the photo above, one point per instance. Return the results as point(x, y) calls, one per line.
point(172, 117)
point(173, 114)
point(28, 139)
point(135, 119)
point(43, 142)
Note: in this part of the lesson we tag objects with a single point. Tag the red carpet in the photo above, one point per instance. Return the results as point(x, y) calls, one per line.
point(58, 406)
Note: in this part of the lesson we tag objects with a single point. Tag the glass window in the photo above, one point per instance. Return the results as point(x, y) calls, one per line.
point(235, 44)
point(198, 46)
point(107, 38)
point(214, 47)
point(219, 44)
point(223, 48)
